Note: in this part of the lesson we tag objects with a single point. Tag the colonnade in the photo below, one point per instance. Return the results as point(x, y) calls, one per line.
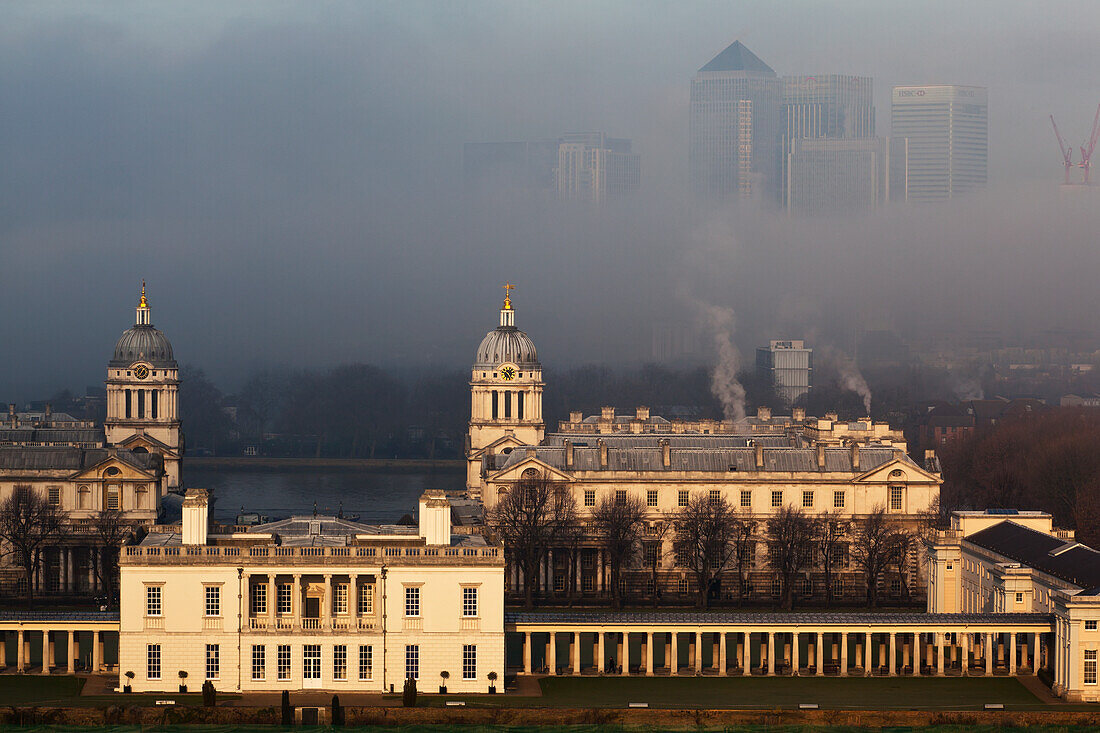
point(753, 651)
point(47, 648)
point(76, 569)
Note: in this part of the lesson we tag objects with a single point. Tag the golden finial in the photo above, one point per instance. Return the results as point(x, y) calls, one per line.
point(508, 288)
point(143, 303)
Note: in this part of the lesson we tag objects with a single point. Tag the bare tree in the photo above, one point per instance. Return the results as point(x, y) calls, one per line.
point(790, 534)
point(535, 515)
point(902, 543)
point(618, 521)
point(112, 532)
point(871, 549)
point(653, 542)
point(29, 524)
point(744, 540)
point(829, 532)
point(704, 539)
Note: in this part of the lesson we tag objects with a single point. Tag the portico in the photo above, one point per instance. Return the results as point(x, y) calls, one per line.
point(60, 642)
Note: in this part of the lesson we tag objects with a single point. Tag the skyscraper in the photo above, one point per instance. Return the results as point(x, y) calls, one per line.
point(947, 128)
point(594, 167)
point(828, 105)
point(788, 366)
point(735, 132)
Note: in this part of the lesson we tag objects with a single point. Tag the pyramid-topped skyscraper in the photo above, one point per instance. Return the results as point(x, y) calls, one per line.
point(735, 132)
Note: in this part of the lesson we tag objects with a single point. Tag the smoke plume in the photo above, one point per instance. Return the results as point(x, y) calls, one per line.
point(849, 375)
point(720, 322)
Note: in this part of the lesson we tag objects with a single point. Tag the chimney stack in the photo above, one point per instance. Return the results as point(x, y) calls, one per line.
point(435, 517)
point(531, 452)
point(798, 414)
point(607, 413)
point(643, 413)
point(855, 456)
point(603, 452)
point(759, 455)
point(11, 415)
point(576, 417)
point(666, 453)
point(568, 453)
point(196, 516)
point(820, 456)
point(49, 411)
point(764, 413)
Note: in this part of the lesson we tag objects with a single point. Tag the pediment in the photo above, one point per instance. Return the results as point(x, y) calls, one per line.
point(514, 472)
point(911, 474)
point(507, 440)
point(127, 471)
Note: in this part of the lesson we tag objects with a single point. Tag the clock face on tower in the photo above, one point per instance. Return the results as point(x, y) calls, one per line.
point(141, 371)
point(508, 373)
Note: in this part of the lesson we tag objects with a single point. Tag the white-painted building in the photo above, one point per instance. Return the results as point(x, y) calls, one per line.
point(312, 602)
point(1008, 561)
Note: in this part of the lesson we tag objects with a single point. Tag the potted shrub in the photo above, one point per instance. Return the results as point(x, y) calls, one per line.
point(492, 682)
point(183, 680)
point(443, 688)
point(408, 694)
point(129, 679)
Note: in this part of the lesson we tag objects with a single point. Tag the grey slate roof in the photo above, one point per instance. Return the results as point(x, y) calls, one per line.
point(737, 58)
point(768, 618)
point(18, 615)
point(837, 460)
point(63, 458)
point(675, 440)
point(51, 435)
point(1071, 561)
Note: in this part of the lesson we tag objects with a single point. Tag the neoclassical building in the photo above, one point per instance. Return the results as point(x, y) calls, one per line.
point(759, 465)
point(126, 467)
point(313, 602)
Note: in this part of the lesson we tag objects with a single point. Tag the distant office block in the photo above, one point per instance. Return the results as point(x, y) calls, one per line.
point(788, 365)
point(947, 128)
point(734, 120)
point(511, 165)
point(828, 105)
point(837, 176)
point(594, 167)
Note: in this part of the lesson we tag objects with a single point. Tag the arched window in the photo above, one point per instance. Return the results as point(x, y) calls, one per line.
point(129, 409)
point(112, 471)
point(496, 405)
point(519, 405)
point(896, 491)
point(530, 473)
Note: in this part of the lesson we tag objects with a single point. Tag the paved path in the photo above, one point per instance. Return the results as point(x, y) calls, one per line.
point(1036, 687)
point(99, 684)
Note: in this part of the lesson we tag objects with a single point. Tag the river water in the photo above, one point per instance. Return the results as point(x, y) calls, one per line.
point(377, 496)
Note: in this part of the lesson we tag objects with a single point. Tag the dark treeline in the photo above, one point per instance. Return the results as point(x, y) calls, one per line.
point(1048, 460)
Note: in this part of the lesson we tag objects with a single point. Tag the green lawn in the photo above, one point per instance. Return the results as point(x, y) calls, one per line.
point(30, 689)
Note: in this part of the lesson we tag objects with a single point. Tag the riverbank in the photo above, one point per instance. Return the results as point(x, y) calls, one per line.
point(388, 465)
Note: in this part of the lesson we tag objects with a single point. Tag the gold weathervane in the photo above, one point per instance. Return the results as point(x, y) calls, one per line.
point(143, 303)
point(508, 288)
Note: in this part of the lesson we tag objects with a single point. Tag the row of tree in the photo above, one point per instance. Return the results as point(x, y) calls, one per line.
point(711, 538)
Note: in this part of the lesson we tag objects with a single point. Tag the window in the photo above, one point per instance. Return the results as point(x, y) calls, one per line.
point(54, 495)
point(285, 602)
point(777, 499)
point(259, 662)
point(213, 600)
point(282, 655)
point(714, 496)
point(82, 497)
point(1090, 666)
point(838, 500)
point(340, 600)
point(805, 587)
point(152, 600)
point(366, 662)
point(469, 599)
point(412, 661)
point(259, 599)
point(590, 497)
point(1090, 625)
point(653, 555)
point(746, 498)
point(366, 600)
point(682, 498)
point(620, 496)
point(559, 583)
point(412, 600)
point(340, 662)
point(651, 497)
point(1019, 597)
point(469, 662)
point(588, 583)
point(311, 661)
point(113, 500)
point(808, 499)
point(896, 494)
point(213, 661)
point(152, 662)
point(682, 586)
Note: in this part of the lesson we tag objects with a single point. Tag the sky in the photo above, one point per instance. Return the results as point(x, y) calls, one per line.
point(287, 179)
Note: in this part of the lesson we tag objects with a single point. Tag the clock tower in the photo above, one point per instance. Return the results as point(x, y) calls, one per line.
point(143, 394)
point(505, 394)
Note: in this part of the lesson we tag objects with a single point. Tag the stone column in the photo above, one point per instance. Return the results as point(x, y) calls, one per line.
point(892, 661)
point(599, 571)
point(868, 661)
point(20, 653)
point(576, 653)
point(819, 650)
point(941, 639)
point(3, 650)
point(46, 652)
point(859, 650)
point(746, 653)
point(353, 599)
point(698, 653)
point(1035, 652)
point(600, 653)
point(326, 604)
point(296, 600)
point(674, 655)
point(70, 666)
point(527, 652)
point(771, 653)
point(624, 655)
point(906, 651)
point(649, 654)
point(722, 664)
point(272, 599)
point(552, 665)
point(548, 658)
point(965, 652)
point(1012, 653)
point(844, 654)
point(796, 664)
point(550, 572)
point(987, 648)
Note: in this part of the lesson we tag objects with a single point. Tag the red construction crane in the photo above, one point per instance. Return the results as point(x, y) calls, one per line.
point(1067, 151)
point(1086, 150)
